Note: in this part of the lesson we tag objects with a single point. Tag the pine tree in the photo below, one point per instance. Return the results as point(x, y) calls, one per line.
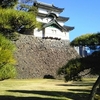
point(8, 3)
point(92, 62)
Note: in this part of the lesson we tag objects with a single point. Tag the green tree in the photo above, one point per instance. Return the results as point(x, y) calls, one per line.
point(8, 3)
point(72, 69)
point(25, 5)
point(13, 21)
point(7, 60)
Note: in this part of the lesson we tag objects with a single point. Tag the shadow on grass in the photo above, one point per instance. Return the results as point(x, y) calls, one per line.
point(80, 84)
point(80, 90)
point(70, 95)
point(23, 98)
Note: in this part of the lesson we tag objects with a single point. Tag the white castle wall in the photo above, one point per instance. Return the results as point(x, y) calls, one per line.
point(50, 31)
point(38, 33)
point(61, 23)
point(54, 32)
point(43, 20)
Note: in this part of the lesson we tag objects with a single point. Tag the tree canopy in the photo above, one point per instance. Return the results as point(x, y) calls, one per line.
point(16, 21)
point(87, 40)
point(25, 5)
point(92, 62)
point(12, 23)
point(8, 3)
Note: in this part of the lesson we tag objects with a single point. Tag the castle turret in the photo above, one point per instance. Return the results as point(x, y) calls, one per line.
point(52, 23)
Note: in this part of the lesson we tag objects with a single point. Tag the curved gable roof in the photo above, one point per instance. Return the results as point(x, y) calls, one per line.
point(59, 18)
point(54, 23)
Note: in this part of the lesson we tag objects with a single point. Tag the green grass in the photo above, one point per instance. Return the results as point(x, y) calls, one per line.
point(45, 89)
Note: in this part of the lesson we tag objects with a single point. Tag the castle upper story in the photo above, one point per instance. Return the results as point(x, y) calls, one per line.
point(53, 25)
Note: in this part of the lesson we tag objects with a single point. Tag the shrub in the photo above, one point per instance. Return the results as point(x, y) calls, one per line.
point(48, 77)
point(7, 71)
point(7, 60)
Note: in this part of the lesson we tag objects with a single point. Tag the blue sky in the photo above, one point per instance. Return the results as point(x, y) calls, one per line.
point(84, 15)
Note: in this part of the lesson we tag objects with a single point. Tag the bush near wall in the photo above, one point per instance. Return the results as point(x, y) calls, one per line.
point(7, 60)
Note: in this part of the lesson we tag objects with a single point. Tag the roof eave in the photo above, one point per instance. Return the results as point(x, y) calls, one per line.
point(56, 23)
point(69, 28)
point(59, 18)
point(47, 6)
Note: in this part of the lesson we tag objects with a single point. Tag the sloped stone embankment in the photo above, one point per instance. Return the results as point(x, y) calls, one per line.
point(39, 57)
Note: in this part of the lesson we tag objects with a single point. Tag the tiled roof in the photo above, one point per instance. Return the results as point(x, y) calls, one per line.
point(47, 6)
point(55, 23)
point(68, 28)
point(59, 18)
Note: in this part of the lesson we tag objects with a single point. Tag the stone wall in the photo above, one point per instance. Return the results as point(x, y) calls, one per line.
point(38, 57)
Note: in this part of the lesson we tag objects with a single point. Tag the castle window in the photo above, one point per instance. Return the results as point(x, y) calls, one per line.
point(53, 31)
point(42, 19)
point(48, 11)
point(47, 19)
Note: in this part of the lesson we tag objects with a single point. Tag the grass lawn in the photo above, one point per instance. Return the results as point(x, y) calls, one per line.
point(45, 89)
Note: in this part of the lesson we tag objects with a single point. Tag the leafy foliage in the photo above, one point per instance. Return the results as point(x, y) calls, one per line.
point(8, 3)
point(13, 22)
point(75, 66)
point(87, 40)
point(69, 70)
point(7, 60)
point(25, 5)
point(7, 71)
point(16, 21)
point(72, 69)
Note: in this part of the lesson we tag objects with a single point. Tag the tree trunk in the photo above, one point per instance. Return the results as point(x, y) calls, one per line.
point(94, 89)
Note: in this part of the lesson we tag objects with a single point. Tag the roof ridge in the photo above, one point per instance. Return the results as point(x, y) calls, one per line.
point(44, 3)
